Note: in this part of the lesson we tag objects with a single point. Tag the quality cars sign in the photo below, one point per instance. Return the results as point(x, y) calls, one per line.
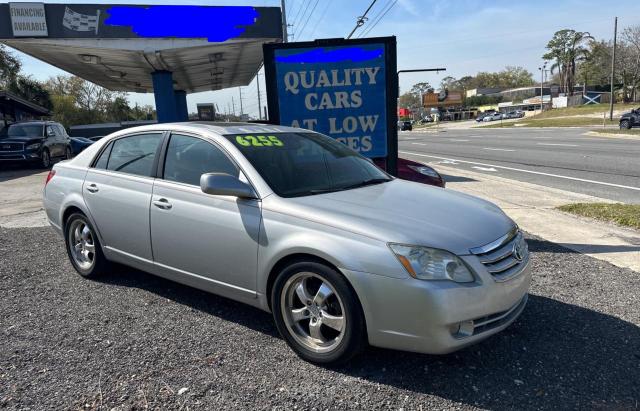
point(340, 88)
point(28, 19)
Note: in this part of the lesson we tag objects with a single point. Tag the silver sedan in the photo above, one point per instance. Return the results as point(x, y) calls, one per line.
point(298, 224)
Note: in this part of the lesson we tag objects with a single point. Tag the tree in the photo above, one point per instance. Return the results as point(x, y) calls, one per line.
point(566, 49)
point(411, 99)
point(595, 69)
point(31, 90)
point(9, 67)
point(629, 65)
point(77, 101)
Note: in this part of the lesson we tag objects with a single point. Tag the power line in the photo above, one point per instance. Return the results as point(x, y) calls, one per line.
point(360, 21)
point(308, 17)
point(328, 3)
point(295, 19)
point(375, 23)
point(375, 18)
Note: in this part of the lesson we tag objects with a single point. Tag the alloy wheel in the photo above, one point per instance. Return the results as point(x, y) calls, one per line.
point(81, 245)
point(313, 312)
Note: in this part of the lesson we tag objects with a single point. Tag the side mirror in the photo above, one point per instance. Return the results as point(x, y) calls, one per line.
point(223, 184)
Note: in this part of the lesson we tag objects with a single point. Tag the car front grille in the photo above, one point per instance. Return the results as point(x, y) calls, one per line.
point(505, 258)
point(11, 147)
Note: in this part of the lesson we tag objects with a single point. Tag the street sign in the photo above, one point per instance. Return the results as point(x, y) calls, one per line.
point(346, 89)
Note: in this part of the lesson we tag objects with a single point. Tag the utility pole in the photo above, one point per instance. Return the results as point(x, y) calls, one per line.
point(613, 67)
point(259, 101)
point(285, 36)
point(233, 103)
point(241, 110)
point(542, 72)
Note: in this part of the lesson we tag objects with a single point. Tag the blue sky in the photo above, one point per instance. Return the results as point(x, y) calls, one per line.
point(465, 36)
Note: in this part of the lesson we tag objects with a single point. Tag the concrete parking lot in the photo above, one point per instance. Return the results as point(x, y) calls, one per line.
point(134, 341)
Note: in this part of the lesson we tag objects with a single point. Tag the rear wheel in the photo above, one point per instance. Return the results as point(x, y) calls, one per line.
point(625, 124)
point(83, 247)
point(318, 313)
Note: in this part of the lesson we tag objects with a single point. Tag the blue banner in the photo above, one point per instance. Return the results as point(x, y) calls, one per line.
point(338, 91)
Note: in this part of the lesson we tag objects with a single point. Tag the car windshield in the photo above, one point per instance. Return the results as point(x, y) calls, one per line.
point(301, 164)
point(22, 130)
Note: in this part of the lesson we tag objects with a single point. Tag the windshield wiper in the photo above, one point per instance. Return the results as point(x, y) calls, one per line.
point(368, 182)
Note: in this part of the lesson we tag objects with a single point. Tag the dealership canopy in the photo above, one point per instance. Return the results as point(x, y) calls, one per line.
point(172, 50)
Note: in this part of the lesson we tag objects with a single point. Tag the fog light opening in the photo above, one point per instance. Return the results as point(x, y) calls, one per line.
point(465, 329)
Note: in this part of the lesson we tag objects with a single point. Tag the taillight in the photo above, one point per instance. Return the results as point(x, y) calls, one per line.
point(49, 177)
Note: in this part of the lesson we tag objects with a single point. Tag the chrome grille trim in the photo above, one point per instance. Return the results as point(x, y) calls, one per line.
point(13, 147)
point(499, 256)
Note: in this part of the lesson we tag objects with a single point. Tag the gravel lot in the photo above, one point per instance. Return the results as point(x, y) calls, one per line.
point(134, 341)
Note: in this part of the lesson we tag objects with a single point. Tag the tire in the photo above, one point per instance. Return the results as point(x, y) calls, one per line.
point(329, 327)
point(68, 153)
point(625, 124)
point(84, 251)
point(45, 159)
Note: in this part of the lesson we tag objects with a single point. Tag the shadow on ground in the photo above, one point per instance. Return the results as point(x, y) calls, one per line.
point(456, 179)
point(14, 171)
point(556, 355)
point(543, 246)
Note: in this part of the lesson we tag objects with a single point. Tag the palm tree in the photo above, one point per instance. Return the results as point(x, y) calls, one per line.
point(566, 49)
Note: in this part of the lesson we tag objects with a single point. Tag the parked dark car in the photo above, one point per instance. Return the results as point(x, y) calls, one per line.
point(405, 126)
point(414, 171)
point(79, 143)
point(35, 142)
point(630, 119)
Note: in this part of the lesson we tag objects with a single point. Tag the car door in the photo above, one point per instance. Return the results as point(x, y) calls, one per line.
point(202, 235)
point(117, 190)
point(52, 141)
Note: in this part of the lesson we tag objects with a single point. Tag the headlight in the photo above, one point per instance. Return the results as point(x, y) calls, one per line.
point(33, 146)
point(431, 264)
point(427, 171)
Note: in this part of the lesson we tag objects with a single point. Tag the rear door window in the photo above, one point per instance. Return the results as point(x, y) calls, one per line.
point(135, 154)
point(103, 160)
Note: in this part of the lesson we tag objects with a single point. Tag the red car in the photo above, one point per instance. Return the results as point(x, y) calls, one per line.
point(414, 171)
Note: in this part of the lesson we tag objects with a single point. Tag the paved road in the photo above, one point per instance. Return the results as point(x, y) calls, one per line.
point(561, 158)
point(134, 341)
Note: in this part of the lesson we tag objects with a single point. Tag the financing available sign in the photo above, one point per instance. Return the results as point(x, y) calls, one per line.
point(28, 19)
point(338, 88)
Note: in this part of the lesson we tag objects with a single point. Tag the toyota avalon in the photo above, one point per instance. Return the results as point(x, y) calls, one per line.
point(297, 224)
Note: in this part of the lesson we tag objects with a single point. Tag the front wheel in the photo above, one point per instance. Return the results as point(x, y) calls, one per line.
point(625, 124)
point(318, 313)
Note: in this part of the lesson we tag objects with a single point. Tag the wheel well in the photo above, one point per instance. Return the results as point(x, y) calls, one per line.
point(295, 258)
point(67, 213)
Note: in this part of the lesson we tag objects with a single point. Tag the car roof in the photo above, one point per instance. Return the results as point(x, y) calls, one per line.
point(220, 128)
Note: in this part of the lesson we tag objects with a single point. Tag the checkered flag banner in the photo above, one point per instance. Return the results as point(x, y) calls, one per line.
point(80, 22)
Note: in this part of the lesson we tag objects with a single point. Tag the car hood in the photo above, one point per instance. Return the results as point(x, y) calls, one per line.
point(407, 212)
point(26, 139)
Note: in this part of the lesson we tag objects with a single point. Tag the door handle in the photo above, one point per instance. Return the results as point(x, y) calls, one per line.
point(162, 203)
point(92, 188)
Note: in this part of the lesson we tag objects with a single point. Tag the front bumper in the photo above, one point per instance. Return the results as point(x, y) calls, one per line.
point(19, 156)
point(438, 317)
